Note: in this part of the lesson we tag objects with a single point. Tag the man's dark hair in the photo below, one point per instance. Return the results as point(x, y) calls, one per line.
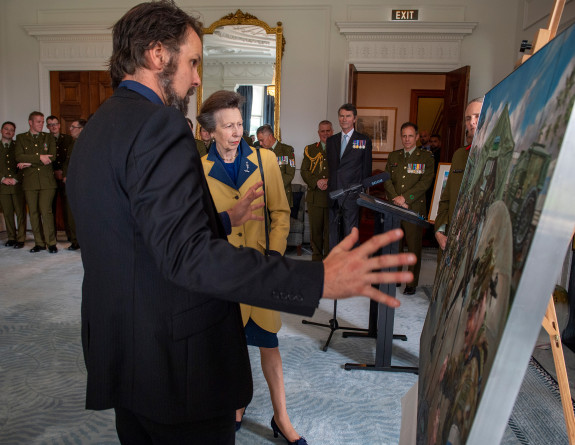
point(220, 100)
point(81, 122)
point(409, 124)
point(266, 129)
point(141, 28)
point(52, 117)
point(348, 107)
point(35, 113)
point(435, 135)
point(8, 123)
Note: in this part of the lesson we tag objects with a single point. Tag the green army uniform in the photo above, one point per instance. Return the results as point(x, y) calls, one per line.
point(286, 160)
point(202, 147)
point(38, 183)
point(12, 196)
point(71, 223)
point(451, 191)
point(63, 144)
point(313, 168)
point(410, 177)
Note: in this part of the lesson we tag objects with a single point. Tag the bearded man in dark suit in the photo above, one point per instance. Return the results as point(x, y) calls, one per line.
point(349, 162)
point(161, 325)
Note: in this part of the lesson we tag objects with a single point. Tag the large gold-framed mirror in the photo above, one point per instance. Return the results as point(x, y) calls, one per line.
point(240, 49)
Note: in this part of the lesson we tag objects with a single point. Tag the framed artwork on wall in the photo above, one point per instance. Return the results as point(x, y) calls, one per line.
point(379, 124)
point(440, 181)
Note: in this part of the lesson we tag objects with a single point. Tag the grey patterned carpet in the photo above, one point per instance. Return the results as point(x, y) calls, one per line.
point(42, 374)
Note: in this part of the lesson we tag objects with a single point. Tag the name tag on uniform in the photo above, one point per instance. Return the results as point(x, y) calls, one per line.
point(359, 144)
point(283, 160)
point(417, 169)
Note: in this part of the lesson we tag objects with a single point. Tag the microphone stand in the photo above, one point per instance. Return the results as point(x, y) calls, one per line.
point(333, 324)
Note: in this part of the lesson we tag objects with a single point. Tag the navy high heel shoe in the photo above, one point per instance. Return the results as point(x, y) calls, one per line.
point(276, 430)
point(239, 424)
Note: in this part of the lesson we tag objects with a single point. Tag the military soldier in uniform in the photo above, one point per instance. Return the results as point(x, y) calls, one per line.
point(11, 193)
point(458, 163)
point(34, 153)
point(203, 144)
point(315, 173)
point(285, 155)
point(63, 144)
point(411, 174)
point(75, 129)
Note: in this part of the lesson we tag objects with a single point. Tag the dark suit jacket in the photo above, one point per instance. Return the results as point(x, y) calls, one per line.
point(355, 164)
point(161, 327)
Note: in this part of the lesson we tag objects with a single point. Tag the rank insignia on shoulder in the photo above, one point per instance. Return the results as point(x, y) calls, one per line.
point(393, 164)
point(457, 171)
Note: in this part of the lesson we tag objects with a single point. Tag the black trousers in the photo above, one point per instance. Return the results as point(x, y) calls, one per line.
point(134, 429)
point(350, 219)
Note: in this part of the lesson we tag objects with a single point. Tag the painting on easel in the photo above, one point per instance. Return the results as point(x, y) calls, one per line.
point(512, 224)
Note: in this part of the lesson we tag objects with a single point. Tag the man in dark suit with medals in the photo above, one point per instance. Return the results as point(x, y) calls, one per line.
point(35, 152)
point(349, 161)
point(315, 173)
point(411, 174)
point(161, 326)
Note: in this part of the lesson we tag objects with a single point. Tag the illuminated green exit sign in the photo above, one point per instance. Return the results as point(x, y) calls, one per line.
point(405, 14)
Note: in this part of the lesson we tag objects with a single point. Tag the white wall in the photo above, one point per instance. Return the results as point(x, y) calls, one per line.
point(314, 67)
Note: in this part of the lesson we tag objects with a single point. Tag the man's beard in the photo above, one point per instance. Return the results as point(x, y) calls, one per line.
point(172, 99)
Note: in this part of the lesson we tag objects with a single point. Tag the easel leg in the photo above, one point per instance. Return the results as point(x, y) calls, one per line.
point(552, 327)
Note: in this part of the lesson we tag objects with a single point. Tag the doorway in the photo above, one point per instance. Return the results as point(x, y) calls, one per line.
point(394, 90)
point(77, 94)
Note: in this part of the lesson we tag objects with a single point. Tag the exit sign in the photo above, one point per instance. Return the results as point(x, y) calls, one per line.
point(405, 14)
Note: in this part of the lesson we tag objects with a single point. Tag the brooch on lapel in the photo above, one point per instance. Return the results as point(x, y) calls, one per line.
point(247, 170)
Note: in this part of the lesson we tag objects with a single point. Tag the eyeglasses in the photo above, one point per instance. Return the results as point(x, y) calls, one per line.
point(71, 126)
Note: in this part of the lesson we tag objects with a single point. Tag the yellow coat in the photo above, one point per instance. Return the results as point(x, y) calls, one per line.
point(252, 234)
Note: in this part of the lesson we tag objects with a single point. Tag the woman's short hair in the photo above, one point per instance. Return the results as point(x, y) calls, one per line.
point(220, 100)
point(141, 28)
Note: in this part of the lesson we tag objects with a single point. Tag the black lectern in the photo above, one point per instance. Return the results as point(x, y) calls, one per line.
point(387, 217)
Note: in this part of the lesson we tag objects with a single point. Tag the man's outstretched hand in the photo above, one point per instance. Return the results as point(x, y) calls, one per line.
point(244, 209)
point(351, 272)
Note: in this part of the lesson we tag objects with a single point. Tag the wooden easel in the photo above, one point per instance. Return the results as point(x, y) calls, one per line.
point(552, 327)
point(550, 323)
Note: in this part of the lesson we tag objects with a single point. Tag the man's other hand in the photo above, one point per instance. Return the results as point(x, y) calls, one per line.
point(350, 271)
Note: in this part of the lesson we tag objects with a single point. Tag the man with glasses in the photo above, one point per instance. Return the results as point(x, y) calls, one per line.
point(75, 130)
point(63, 144)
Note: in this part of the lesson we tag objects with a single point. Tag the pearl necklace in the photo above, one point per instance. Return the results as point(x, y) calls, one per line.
point(230, 160)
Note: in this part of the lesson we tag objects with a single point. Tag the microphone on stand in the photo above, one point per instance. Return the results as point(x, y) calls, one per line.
point(366, 183)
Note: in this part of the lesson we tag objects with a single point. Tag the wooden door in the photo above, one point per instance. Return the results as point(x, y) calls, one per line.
point(77, 94)
point(352, 85)
point(455, 101)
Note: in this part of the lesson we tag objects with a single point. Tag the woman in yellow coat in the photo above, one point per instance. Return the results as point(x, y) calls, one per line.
point(231, 167)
